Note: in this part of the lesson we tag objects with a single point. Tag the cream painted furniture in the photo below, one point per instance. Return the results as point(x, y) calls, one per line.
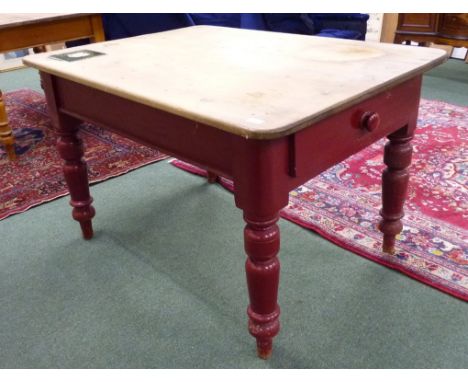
point(268, 110)
point(25, 30)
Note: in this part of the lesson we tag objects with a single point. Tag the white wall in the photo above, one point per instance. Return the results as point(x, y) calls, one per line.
point(374, 27)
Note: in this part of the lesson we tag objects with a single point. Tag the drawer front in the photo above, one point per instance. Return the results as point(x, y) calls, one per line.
point(417, 22)
point(454, 24)
point(333, 139)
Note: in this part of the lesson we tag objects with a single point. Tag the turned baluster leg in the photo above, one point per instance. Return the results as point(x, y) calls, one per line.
point(6, 134)
point(262, 241)
point(397, 157)
point(76, 173)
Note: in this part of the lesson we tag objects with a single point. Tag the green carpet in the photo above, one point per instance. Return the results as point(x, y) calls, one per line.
point(162, 284)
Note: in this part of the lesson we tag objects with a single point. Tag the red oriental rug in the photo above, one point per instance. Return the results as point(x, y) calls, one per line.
point(36, 176)
point(342, 203)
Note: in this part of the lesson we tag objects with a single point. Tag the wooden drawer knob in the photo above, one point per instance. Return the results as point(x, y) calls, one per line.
point(370, 120)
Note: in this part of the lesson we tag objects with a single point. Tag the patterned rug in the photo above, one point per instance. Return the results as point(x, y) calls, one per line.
point(36, 176)
point(342, 203)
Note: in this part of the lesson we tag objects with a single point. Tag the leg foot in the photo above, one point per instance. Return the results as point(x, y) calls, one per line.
point(10, 150)
point(261, 238)
point(87, 225)
point(388, 245)
point(76, 174)
point(6, 134)
point(87, 229)
point(264, 348)
point(212, 177)
point(395, 179)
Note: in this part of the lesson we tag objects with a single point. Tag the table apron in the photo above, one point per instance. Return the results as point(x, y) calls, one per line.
point(180, 137)
point(258, 167)
point(47, 32)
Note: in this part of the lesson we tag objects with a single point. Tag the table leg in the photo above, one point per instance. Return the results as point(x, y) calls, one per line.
point(6, 134)
point(75, 170)
point(98, 29)
point(395, 178)
point(262, 241)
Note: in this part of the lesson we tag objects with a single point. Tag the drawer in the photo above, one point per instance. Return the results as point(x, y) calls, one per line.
point(335, 138)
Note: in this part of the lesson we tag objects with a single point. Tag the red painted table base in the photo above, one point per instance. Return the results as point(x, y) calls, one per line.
point(263, 171)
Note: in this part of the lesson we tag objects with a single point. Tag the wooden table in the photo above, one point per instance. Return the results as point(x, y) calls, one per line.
point(268, 110)
point(26, 30)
